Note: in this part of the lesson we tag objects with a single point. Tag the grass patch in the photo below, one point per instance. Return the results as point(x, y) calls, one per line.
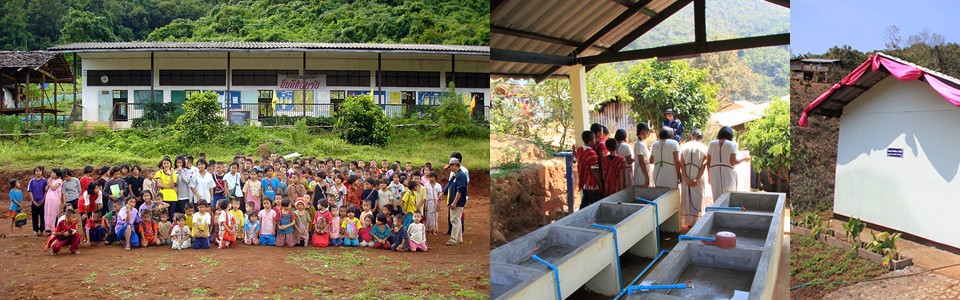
point(209, 261)
point(75, 149)
point(371, 290)
point(319, 263)
point(813, 261)
point(123, 272)
point(418, 276)
point(250, 287)
point(199, 291)
point(90, 279)
point(465, 293)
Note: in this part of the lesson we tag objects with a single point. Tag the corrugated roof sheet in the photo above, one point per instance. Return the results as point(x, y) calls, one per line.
point(833, 105)
point(268, 46)
point(566, 19)
point(17, 64)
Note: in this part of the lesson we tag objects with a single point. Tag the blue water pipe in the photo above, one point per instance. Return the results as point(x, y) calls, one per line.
point(696, 238)
point(568, 156)
point(679, 286)
point(656, 211)
point(556, 272)
point(711, 208)
point(635, 279)
point(616, 249)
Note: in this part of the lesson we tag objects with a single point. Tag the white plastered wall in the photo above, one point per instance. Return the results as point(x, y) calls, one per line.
point(272, 61)
point(917, 193)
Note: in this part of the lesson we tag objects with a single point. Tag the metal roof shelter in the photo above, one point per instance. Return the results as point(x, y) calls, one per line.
point(268, 46)
point(833, 105)
point(22, 68)
point(540, 39)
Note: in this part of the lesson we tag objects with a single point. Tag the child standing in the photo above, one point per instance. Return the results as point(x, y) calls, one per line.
point(237, 217)
point(433, 209)
point(384, 195)
point(228, 226)
point(148, 229)
point(351, 228)
point(252, 190)
point(201, 226)
point(334, 228)
point(418, 236)
point(303, 223)
point(396, 188)
point(339, 190)
point(285, 226)
point(189, 210)
point(400, 236)
point(321, 223)
point(367, 211)
point(381, 233)
point(164, 227)
point(180, 233)
point(91, 200)
point(410, 202)
point(37, 187)
point(268, 224)
point(16, 201)
point(53, 201)
point(66, 233)
point(111, 223)
point(366, 239)
point(251, 228)
point(354, 191)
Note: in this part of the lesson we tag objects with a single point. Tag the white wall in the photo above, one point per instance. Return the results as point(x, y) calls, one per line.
point(272, 61)
point(918, 193)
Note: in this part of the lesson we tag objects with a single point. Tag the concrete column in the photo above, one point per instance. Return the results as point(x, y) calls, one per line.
point(578, 92)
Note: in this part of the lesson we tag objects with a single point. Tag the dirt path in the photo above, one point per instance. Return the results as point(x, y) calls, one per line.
point(923, 286)
point(444, 272)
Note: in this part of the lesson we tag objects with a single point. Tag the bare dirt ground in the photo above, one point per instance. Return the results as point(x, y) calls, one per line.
point(247, 272)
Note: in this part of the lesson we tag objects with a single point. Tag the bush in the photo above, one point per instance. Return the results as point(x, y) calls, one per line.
point(768, 139)
point(11, 124)
point(454, 118)
point(158, 114)
point(200, 121)
point(360, 121)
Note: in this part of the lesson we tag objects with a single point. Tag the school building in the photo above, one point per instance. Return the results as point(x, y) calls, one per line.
point(257, 80)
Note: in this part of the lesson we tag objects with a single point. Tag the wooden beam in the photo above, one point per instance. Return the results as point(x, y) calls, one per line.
point(649, 24)
point(536, 36)
point(700, 24)
point(495, 4)
point(497, 54)
point(624, 16)
point(689, 49)
point(628, 3)
point(784, 3)
point(8, 77)
point(45, 73)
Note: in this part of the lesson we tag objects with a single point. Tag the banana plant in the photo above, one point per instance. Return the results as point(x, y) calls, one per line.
point(852, 230)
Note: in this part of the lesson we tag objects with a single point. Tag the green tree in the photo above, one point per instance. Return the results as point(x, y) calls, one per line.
point(453, 116)
point(201, 121)
point(768, 139)
point(733, 76)
point(605, 84)
point(361, 121)
point(656, 86)
point(83, 26)
point(558, 112)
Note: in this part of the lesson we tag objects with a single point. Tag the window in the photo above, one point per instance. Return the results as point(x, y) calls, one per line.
point(344, 78)
point(118, 77)
point(193, 77)
point(410, 79)
point(264, 95)
point(470, 80)
point(337, 97)
point(259, 77)
point(265, 103)
point(189, 93)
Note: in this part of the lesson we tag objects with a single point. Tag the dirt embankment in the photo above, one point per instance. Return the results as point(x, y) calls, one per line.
point(524, 196)
point(813, 151)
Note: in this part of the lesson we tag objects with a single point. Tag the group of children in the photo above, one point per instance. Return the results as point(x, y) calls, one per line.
point(272, 202)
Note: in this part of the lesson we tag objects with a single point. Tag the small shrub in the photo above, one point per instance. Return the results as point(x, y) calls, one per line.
point(360, 121)
point(200, 121)
point(158, 114)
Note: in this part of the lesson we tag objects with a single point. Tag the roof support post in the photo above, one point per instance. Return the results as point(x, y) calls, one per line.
point(380, 98)
point(303, 87)
point(578, 91)
point(226, 95)
point(700, 24)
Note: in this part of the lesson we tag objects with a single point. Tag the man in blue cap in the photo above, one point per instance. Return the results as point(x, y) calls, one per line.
point(674, 123)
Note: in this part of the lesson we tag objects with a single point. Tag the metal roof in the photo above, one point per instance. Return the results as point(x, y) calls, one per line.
point(820, 60)
point(270, 46)
point(560, 31)
point(833, 105)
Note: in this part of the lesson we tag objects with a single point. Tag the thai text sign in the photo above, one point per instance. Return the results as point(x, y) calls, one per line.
point(297, 82)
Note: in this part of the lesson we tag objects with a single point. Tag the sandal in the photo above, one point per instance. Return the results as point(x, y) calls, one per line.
point(450, 243)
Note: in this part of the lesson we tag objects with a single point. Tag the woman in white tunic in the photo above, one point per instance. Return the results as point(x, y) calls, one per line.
point(641, 168)
point(722, 154)
point(693, 189)
point(623, 149)
point(665, 157)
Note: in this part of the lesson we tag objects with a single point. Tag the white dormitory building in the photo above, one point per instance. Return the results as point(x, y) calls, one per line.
point(262, 79)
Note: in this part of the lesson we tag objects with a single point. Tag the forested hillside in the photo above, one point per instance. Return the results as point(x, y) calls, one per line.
point(753, 74)
point(38, 24)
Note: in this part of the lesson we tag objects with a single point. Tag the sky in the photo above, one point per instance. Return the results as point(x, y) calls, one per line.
point(817, 25)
